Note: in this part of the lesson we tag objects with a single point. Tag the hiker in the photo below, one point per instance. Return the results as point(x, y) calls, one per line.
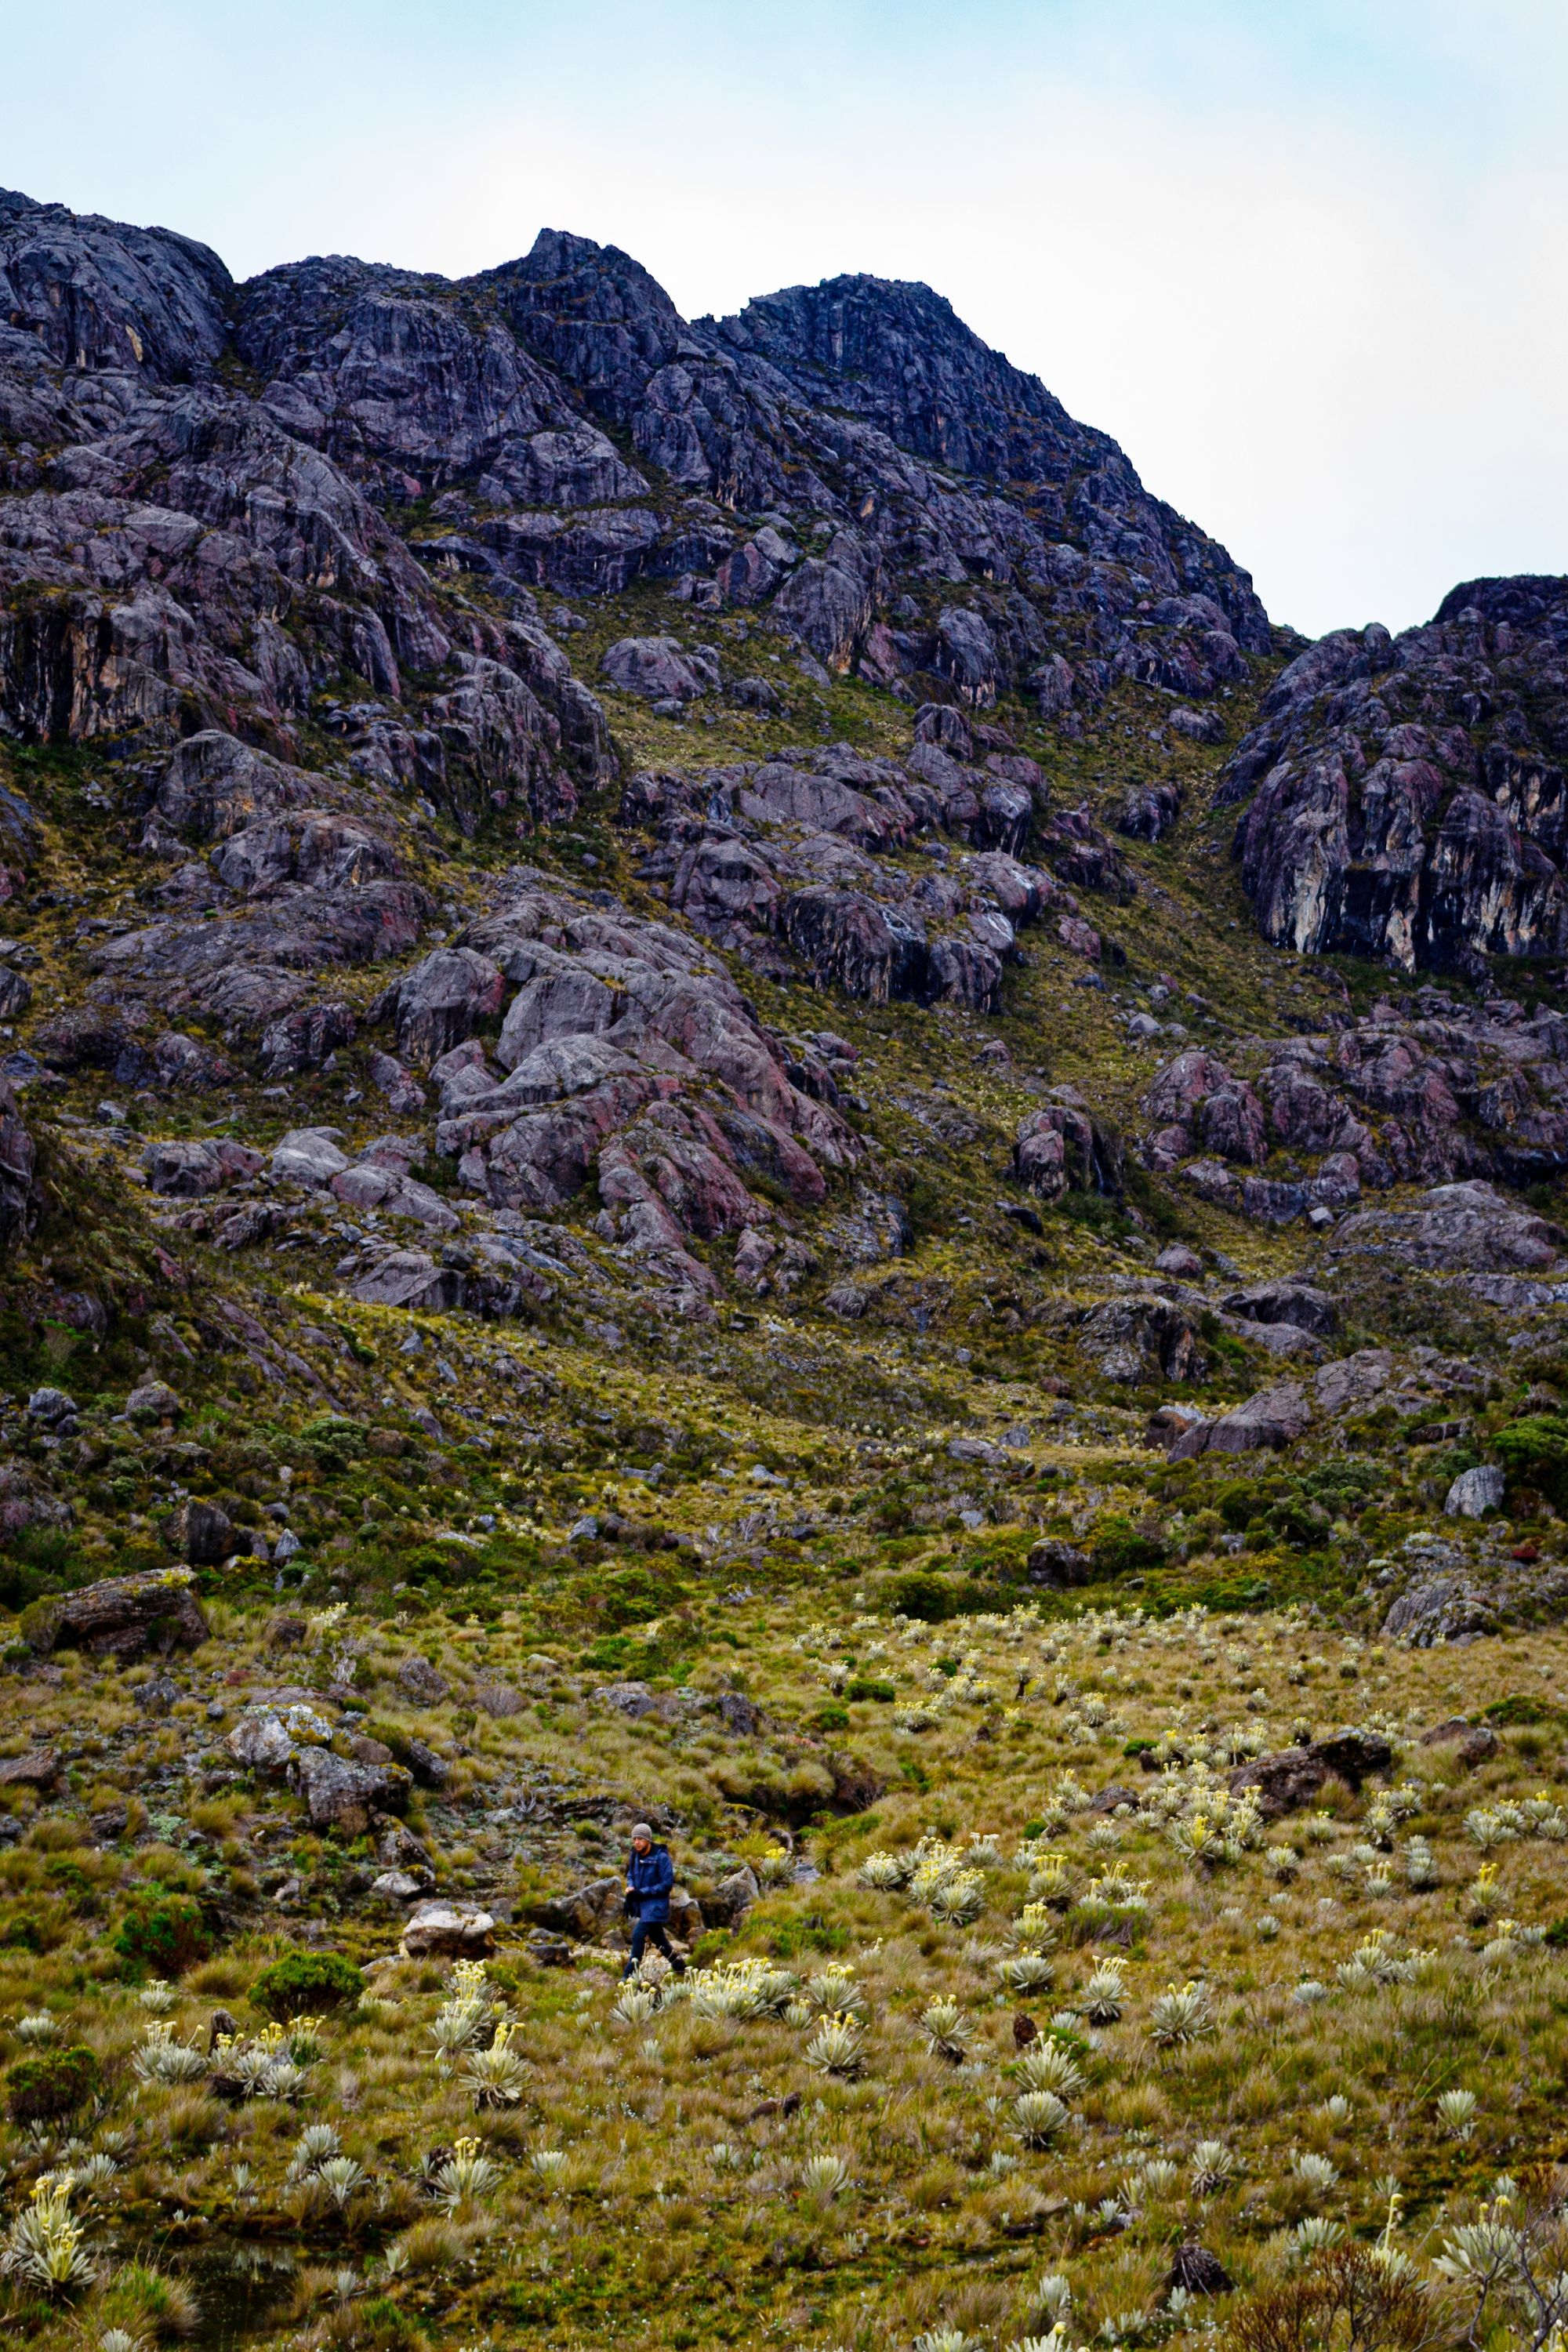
point(650, 1874)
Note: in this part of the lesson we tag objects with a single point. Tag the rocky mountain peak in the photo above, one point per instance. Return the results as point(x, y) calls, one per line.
point(96, 294)
point(898, 354)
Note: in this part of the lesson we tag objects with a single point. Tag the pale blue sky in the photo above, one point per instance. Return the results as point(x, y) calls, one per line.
point(1306, 259)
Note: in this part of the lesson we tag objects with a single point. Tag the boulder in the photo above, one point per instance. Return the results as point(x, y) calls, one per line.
point(662, 670)
point(430, 1770)
point(1472, 1743)
point(152, 1401)
point(686, 1919)
point(309, 1156)
point(1062, 1564)
point(1353, 1755)
point(548, 1951)
point(584, 1912)
point(1274, 1417)
point(1441, 1609)
point(459, 1931)
point(123, 1616)
point(200, 1532)
point(38, 1768)
point(259, 1742)
point(1298, 1302)
point(1476, 1492)
point(634, 1700)
point(1170, 1423)
point(1352, 1380)
point(1179, 1260)
point(1114, 1797)
point(410, 1278)
point(305, 1038)
point(340, 1795)
point(51, 1406)
point(420, 1681)
point(726, 1902)
point(186, 1170)
point(1142, 1337)
point(444, 1000)
point(1293, 1777)
point(401, 1886)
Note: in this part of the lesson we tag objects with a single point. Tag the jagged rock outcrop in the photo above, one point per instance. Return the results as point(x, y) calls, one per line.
point(1407, 796)
point(1450, 1094)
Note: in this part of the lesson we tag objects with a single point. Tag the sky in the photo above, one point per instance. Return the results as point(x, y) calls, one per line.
point(1306, 259)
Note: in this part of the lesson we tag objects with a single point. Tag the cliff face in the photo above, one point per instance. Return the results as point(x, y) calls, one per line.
point(1407, 792)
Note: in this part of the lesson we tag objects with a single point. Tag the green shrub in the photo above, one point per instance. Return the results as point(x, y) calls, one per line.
point(334, 1440)
point(382, 2326)
point(831, 1718)
point(1534, 1453)
point(24, 1931)
point(920, 1594)
point(1120, 1549)
point(38, 2089)
point(306, 1982)
point(160, 1933)
point(868, 1686)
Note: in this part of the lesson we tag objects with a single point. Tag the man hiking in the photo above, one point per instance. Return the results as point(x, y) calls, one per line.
point(650, 1874)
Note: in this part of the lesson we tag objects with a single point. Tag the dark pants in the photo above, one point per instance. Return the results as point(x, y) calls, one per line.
point(650, 1931)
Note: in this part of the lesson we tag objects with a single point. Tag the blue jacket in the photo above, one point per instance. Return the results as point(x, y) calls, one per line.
point(650, 1876)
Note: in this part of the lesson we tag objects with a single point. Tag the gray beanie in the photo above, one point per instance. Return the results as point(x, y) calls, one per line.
point(641, 1829)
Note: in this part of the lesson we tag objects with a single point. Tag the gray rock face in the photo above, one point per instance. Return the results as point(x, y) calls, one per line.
point(422, 1682)
point(1062, 1146)
point(1407, 797)
point(1476, 1492)
point(728, 1901)
point(1139, 1338)
point(1055, 1562)
point(1458, 1226)
point(1441, 1609)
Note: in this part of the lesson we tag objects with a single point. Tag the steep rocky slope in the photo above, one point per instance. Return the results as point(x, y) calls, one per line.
point(1407, 792)
point(634, 1061)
